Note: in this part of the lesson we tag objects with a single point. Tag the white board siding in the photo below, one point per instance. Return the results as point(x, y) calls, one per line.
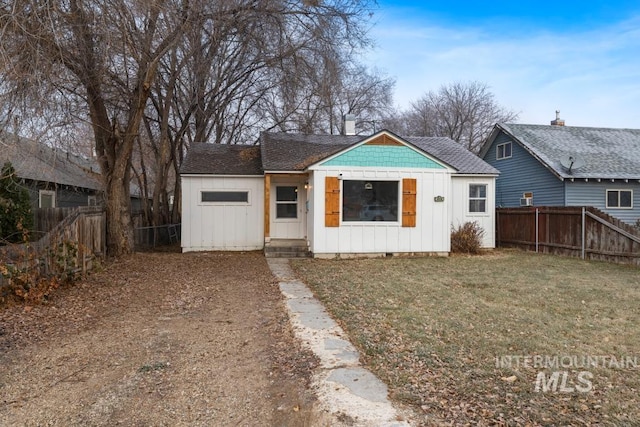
point(222, 226)
point(431, 233)
point(460, 207)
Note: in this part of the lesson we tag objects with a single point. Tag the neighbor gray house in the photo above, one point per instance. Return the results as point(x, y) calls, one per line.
point(54, 178)
point(558, 165)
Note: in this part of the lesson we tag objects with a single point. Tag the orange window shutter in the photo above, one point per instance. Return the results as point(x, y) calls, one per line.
point(409, 192)
point(331, 201)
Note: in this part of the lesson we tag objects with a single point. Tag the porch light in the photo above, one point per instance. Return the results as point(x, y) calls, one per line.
point(368, 186)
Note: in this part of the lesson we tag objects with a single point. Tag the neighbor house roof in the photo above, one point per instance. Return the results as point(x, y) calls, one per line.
point(39, 162)
point(222, 159)
point(607, 153)
point(284, 152)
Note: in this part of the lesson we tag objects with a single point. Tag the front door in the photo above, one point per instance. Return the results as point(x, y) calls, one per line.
point(288, 211)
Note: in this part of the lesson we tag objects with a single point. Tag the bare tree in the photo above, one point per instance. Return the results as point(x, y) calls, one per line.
point(100, 60)
point(464, 112)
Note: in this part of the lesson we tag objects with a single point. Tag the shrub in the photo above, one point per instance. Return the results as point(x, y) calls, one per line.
point(15, 207)
point(32, 279)
point(466, 238)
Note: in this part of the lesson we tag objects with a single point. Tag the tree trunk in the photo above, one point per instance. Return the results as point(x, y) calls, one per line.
point(118, 206)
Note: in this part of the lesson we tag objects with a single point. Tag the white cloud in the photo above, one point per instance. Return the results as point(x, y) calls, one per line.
point(593, 77)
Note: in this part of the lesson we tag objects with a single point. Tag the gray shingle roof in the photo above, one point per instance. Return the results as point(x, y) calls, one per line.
point(39, 162)
point(607, 153)
point(295, 152)
point(222, 159)
point(283, 152)
point(454, 154)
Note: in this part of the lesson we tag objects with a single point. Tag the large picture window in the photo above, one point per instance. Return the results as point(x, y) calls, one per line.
point(287, 202)
point(620, 199)
point(477, 198)
point(369, 200)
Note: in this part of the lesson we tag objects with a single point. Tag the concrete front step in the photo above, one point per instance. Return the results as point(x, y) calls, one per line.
point(286, 248)
point(285, 254)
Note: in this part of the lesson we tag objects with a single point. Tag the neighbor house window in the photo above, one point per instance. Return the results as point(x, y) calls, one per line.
point(224, 197)
point(47, 199)
point(503, 151)
point(92, 201)
point(621, 199)
point(287, 202)
point(370, 200)
point(478, 198)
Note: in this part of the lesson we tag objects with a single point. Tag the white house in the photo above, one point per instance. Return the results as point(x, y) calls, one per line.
point(336, 194)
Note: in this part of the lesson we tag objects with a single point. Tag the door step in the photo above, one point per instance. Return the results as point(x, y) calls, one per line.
point(286, 249)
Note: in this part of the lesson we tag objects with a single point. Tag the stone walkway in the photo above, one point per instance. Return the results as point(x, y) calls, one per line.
point(345, 389)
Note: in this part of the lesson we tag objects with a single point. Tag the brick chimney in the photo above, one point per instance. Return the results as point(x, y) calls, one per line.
point(558, 121)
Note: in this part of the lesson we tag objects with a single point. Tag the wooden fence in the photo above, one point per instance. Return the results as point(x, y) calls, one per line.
point(85, 228)
point(46, 219)
point(583, 232)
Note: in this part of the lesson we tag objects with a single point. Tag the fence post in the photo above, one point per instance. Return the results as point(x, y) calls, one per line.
point(537, 230)
point(583, 234)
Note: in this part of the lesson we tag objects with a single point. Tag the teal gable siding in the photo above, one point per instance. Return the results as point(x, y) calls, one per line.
point(523, 173)
point(593, 193)
point(383, 156)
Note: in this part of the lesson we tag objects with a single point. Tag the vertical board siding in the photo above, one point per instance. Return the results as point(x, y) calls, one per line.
point(332, 202)
point(460, 206)
point(267, 205)
point(593, 193)
point(431, 233)
point(222, 226)
point(522, 173)
point(409, 192)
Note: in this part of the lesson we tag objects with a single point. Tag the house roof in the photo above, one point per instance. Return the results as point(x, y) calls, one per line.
point(451, 152)
point(222, 159)
point(607, 153)
point(284, 152)
point(39, 162)
point(295, 152)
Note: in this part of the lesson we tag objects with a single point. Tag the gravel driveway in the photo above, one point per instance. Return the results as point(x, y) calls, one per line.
point(157, 339)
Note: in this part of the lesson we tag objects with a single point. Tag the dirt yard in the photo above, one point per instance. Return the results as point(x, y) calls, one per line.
point(157, 339)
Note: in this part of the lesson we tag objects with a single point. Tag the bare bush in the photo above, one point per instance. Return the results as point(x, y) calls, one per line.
point(467, 238)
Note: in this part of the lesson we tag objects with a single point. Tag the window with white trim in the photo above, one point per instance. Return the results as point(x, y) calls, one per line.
point(619, 199)
point(92, 201)
point(46, 199)
point(224, 196)
point(478, 198)
point(287, 201)
point(503, 151)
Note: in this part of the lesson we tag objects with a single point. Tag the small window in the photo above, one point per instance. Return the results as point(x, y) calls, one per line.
point(477, 198)
point(47, 199)
point(620, 199)
point(287, 202)
point(92, 201)
point(370, 200)
point(225, 197)
point(503, 151)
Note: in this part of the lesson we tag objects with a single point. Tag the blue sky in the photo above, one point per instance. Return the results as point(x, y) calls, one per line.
point(582, 58)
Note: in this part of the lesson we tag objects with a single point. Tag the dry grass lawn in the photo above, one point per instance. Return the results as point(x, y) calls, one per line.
point(440, 333)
